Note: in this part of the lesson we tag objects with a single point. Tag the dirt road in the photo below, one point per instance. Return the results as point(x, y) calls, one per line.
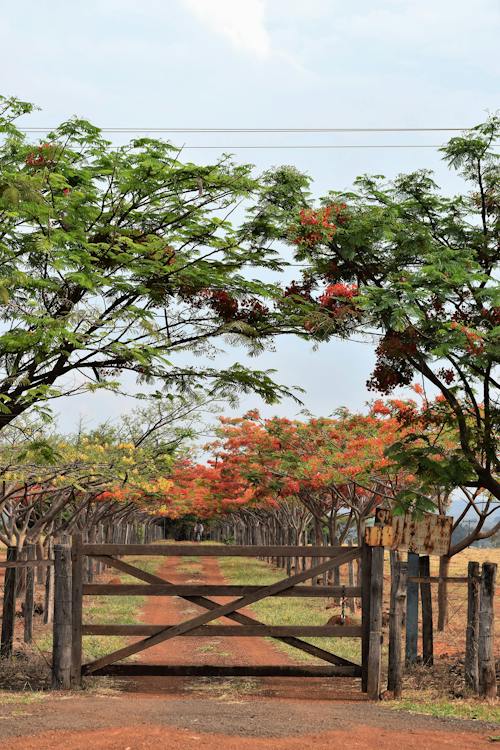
point(232, 714)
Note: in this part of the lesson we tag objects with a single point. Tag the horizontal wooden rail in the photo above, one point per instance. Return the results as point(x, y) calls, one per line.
point(238, 617)
point(214, 550)
point(209, 631)
point(154, 589)
point(26, 563)
point(437, 579)
point(162, 670)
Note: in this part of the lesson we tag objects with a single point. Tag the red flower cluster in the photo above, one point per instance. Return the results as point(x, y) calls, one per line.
point(42, 158)
point(228, 308)
point(475, 343)
point(447, 375)
point(224, 305)
point(344, 291)
point(299, 290)
point(323, 220)
point(392, 369)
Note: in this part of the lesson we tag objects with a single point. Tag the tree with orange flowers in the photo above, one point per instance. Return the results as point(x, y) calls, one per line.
point(401, 262)
point(336, 467)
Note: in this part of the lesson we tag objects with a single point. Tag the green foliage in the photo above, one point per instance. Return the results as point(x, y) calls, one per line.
point(419, 270)
point(117, 259)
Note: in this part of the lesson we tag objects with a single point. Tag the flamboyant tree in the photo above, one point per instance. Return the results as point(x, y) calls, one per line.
point(418, 270)
point(54, 484)
point(336, 467)
point(116, 259)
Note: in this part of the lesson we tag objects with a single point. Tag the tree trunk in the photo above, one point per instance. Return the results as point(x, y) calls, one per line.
point(9, 606)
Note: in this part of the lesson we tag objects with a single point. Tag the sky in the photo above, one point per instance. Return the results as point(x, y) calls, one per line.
point(264, 63)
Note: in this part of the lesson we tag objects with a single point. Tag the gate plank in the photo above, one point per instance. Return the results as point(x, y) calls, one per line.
point(209, 631)
point(220, 610)
point(169, 589)
point(202, 601)
point(202, 670)
point(212, 550)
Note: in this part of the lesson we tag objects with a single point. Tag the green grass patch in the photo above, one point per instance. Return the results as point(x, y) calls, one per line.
point(109, 610)
point(26, 697)
point(451, 709)
point(288, 610)
point(190, 565)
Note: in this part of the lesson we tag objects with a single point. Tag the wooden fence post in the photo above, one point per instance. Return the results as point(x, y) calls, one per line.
point(472, 632)
point(375, 652)
point(29, 595)
point(9, 605)
point(396, 619)
point(366, 567)
point(48, 606)
point(486, 657)
point(411, 647)
point(76, 610)
point(426, 600)
point(61, 649)
point(350, 582)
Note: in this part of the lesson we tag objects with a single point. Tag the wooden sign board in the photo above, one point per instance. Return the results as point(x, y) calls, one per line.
point(427, 535)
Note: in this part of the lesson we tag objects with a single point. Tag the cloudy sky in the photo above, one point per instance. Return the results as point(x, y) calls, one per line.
point(265, 63)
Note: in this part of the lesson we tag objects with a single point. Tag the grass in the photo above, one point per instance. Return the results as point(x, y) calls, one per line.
point(108, 610)
point(190, 565)
point(288, 610)
point(224, 689)
point(449, 709)
point(26, 697)
point(431, 697)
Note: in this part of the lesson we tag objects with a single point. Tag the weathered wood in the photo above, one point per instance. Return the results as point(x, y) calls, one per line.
point(221, 610)
point(429, 535)
point(486, 655)
point(437, 579)
point(239, 617)
point(396, 618)
point(9, 606)
point(350, 578)
point(426, 601)
point(395, 565)
point(25, 563)
point(375, 651)
point(48, 606)
point(471, 667)
point(133, 589)
point(366, 566)
point(76, 609)
point(411, 647)
point(29, 594)
point(209, 631)
point(202, 670)
point(213, 550)
point(62, 626)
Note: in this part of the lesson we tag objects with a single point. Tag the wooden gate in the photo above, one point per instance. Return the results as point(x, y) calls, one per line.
point(153, 585)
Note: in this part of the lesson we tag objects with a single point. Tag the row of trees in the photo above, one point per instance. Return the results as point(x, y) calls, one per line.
point(287, 481)
point(115, 262)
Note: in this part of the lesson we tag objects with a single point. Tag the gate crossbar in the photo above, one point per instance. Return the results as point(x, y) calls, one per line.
point(221, 610)
point(239, 617)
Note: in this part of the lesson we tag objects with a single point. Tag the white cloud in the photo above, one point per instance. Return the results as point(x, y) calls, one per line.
point(240, 21)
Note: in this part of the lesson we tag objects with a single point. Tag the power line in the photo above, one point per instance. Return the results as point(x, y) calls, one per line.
point(320, 146)
point(258, 130)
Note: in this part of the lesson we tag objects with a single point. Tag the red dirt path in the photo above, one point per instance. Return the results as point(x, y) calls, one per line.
point(188, 713)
